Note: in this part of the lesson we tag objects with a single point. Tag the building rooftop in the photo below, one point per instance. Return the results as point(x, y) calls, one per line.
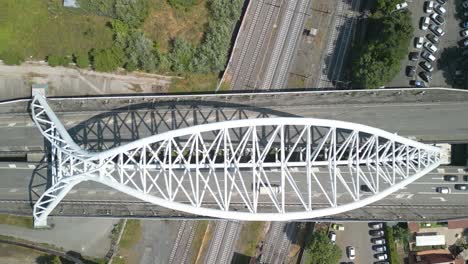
point(70, 3)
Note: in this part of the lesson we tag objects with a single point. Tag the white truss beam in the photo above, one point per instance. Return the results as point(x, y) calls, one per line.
point(252, 169)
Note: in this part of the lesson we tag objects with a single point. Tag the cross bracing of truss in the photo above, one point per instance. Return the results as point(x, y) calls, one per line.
point(251, 169)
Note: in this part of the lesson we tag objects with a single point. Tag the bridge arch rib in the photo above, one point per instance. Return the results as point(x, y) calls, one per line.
point(323, 166)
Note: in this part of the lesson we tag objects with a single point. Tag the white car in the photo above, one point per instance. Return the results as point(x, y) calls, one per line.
point(401, 6)
point(381, 256)
point(429, 7)
point(443, 190)
point(440, 9)
point(351, 253)
point(425, 23)
point(378, 240)
point(430, 47)
point(465, 43)
point(464, 33)
point(332, 237)
point(418, 42)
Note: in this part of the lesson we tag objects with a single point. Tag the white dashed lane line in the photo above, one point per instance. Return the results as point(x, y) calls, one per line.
point(11, 124)
point(12, 166)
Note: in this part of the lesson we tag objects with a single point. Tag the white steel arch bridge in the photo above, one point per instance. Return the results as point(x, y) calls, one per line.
point(264, 164)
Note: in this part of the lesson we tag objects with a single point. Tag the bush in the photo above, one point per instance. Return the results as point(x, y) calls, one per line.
point(108, 60)
point(131, 12)
point(181, 55)
point(391, 245)
point(182, 4)
point(81, 60)
point(12, 58)
point(56, 60)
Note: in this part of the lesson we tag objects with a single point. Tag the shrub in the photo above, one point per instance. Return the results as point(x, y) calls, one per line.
point(391, 245)
point(81, 60)
point(12, 58)
point(56, 60)
point(321, 251)
point(108, 60)
point(131, 12)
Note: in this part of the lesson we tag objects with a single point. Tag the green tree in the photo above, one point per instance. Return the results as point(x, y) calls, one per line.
point(131, 12)
point(181, 55)
point(140, 53)
point(386, 7)
point(12, 58)
point(320, 250)
point(108, 60)
point(81, 60)
point(56, 260)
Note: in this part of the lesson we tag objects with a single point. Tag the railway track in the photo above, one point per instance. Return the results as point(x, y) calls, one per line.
point(182, 246)
point(222, 244)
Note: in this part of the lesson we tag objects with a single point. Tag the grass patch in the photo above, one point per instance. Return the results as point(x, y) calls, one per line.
point(250, 235)
point(198, 238)
point(164, 23)
point(131, 235)
point(21, 221)
point(36, 29)
point(195, 82)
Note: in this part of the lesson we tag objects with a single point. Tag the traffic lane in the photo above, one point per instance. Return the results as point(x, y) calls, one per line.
point(355, 234)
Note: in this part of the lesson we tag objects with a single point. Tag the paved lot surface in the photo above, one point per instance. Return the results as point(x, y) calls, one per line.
point(90, 237)
point(450, 39)
point(157, 241)
point(356, 235)
point(15, 81)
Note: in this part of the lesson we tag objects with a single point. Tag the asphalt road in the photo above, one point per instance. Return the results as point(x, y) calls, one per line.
point(436, 115)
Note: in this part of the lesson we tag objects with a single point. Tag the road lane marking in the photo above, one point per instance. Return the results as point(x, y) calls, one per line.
point(441, 170)
point(11, 124)
point(72, 191)
point(31, 166)
point(454, 193)
point(13, 190)
point(12, 166)
point(437, 178)
point(461, 170)
point(91, 192)
point(442, 199)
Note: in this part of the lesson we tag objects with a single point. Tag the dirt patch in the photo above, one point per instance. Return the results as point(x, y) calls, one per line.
point(164, 23)
point(18, 255)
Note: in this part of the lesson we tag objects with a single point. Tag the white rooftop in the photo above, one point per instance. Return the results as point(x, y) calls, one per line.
point(433, 240)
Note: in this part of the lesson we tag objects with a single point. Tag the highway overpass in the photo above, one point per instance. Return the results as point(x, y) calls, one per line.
point(433, 115)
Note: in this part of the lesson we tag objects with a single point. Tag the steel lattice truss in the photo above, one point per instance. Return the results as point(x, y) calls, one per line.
point(255, 169)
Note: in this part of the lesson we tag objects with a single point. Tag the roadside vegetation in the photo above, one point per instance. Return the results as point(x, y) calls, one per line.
point(377, 61)
point(131, 235)
point(188, 38)
point(21, 221)
point(397, 237)
point(320, 250)
point(250, 236)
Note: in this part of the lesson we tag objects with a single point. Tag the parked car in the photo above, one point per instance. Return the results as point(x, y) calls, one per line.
point(332, 237)
point(461, 187)
point(381, 262)
point(443, 190)
point(428, 56)
point(418, 42)
point(465, 52)
point(365, 188)
point(464, 33)
point(442, 2)
point(433, 38)
point(438, 19)
point(376, 232)
point(379, 248)
point(430, 47)
point(451, 178)
point(440, 9)
point(437, 30)
point(426, 76)
point(417, 84)
point(339, 227)
point(378, 240)
point(351, 252)
point(426, 66)
point(376, 225)
point(414, 56)
point(410, 71)
point(424, 23)
point(401, 6)
point(465, 14)
point(464, 24)
point(428, 7)
point(465, 43)
point(381, 256)
point(465, 4)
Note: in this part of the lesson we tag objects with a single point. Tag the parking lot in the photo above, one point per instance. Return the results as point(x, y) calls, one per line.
point(450, 39)
point(355, 234)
